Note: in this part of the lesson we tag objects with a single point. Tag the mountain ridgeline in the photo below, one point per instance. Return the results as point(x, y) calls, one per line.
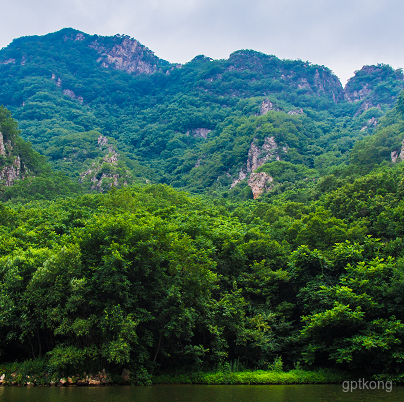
point(194, 126)
point(220, 215)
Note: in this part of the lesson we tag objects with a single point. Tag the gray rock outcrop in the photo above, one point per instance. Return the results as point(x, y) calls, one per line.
point(259, 182)
point(241, 176)
point(14, 167)
point(257, 156)
point(2, 147)
point(128, 56)
point(199, 132)
point(71, 94)
point(103, 174)
point(397, 156)
point(297, 111)
point(370, 123)
point(8, 61)
point(266, 106)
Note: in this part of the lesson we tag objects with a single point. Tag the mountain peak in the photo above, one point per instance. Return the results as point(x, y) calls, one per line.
point(374, 85)
point(118, 52)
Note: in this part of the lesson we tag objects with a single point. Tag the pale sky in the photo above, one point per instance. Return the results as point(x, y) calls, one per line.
point(343, 35)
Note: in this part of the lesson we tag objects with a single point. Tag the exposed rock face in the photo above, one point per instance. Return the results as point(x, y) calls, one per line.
point(357, 88)
point(401, 156)
point(71, 94)
point(128, 55)
point(368, 86)
point(257, 156)
point(103, 174)
point(200, 160)
point(259, 182)
point(301, 75)
point(102, 140)
point(200, 132)
point(266, 106)
point(297, 111)
point(2, 147)
point(112, 157)
point(68, 92)
point(13, 170)
point(9, 174)
point(8, 61)
point(57, 81)
point(370, 123)
point(364, 106)
point(303, 84)
point(79, 37)
point(326, 82)
point(398, 156)
point(100, 379)
point(318, 81)
point(241, 176)
point(94, 381)
point(358, 95)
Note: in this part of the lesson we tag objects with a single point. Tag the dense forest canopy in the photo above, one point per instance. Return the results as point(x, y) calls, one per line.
point(182, 217)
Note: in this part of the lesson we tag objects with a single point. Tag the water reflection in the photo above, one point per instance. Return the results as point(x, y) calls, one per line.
point(199, 393)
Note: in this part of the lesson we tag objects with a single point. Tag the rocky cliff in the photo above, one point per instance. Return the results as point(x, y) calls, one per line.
point(167, 120)
point(119, 52)
point(259, 182)
point(374, 86)
point(125, 54)
point(302, 76)
point(398, 156)
point(257, 156)
point(11, 168)
point(105, 172)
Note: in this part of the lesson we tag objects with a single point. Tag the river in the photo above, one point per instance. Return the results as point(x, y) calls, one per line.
point(198, 393)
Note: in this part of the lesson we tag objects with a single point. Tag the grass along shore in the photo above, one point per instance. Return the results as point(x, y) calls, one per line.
point(255, 377)
point(35, 373)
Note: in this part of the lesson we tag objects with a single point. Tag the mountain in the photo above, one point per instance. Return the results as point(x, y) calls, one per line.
point(374, 86)
point(24, 173)
point(107, 111)
point(289, 253)
point(386, 145)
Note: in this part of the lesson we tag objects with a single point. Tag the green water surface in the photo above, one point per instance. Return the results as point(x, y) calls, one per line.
point(198, 393)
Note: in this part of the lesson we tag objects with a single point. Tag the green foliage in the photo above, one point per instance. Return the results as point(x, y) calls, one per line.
point(30, 175)
point(153, 280)
point(256, 377)
point(190, 127)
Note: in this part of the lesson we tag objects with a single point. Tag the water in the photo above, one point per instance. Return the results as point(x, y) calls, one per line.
point(198, 393)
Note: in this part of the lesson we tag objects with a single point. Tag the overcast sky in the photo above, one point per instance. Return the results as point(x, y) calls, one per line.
point(343, 35)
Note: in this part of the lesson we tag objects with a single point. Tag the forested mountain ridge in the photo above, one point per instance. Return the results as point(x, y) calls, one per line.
point(195, 126)
point(288, 252)
point(373, 86)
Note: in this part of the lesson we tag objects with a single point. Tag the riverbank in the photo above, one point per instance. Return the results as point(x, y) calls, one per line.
point(23, 375)
point(255, 377)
